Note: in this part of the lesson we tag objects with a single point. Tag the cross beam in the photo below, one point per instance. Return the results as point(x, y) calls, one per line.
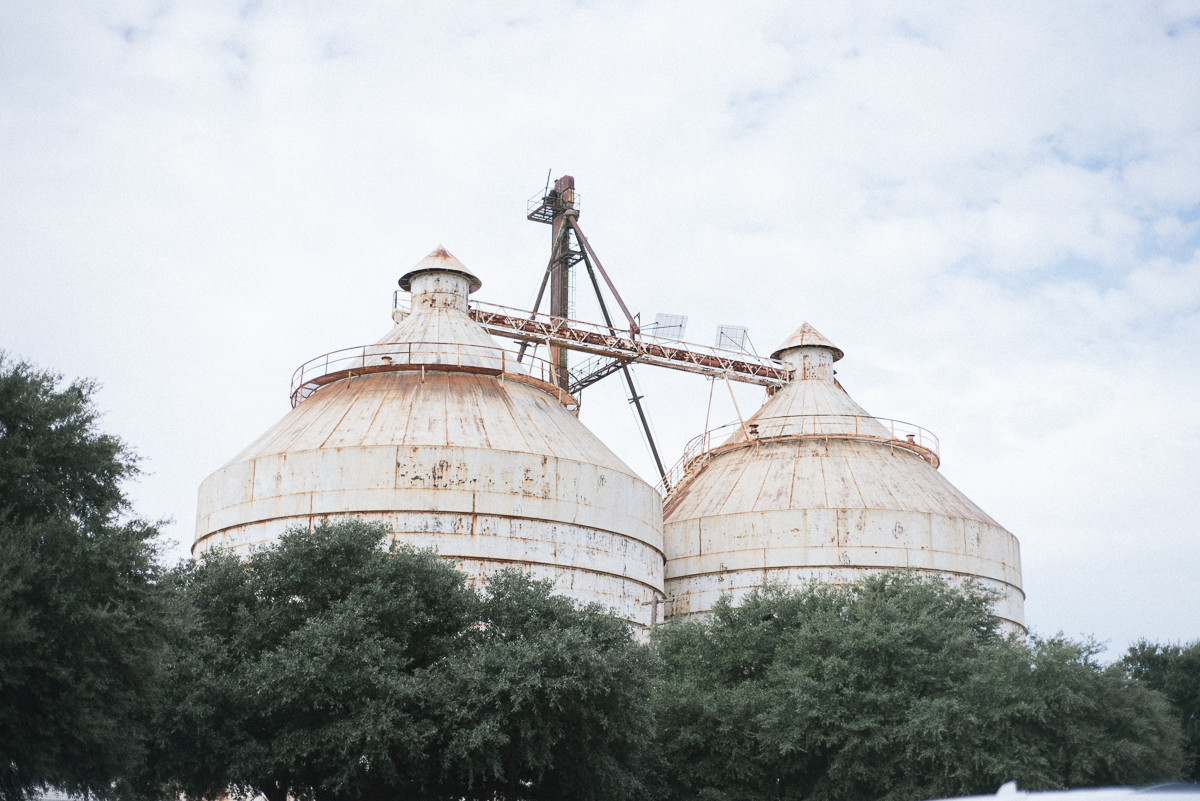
point(592, 371)
point(626, 348)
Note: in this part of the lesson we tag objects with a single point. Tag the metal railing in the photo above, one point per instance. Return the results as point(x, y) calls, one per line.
point(366, 359)
point(401, 305)
point(640, 348)
point(614, 343)
point(895, 433)
point(543, 206)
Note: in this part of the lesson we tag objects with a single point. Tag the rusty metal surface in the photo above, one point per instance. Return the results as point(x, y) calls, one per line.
point(488, 469)
point(572, 219)
point(591, 371)
point(761, 429)
point(433, 333)
point(425, 357)
point(613, 344)
point(493, 472)
point(695, 596)
point(807, 337)
point(600, 340)
point(812, 488)
point(440, 260)
point(562, 258)
point(545, 206)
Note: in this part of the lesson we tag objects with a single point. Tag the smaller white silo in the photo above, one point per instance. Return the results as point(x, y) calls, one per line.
point(814, 489)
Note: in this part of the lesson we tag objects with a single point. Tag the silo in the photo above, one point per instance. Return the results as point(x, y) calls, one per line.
point(812, 488)
point(456, 445)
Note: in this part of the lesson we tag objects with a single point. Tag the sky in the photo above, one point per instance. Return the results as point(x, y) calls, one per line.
point(992, 208)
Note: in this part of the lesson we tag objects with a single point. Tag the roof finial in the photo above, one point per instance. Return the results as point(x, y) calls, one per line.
point(807, 337)
point(440, 260)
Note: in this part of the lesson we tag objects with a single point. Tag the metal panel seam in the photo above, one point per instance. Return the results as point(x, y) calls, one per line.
point(377, 513)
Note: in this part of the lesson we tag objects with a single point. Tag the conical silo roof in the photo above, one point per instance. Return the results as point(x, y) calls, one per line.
point(807, 337)
point(440, 260)
point(814, 403)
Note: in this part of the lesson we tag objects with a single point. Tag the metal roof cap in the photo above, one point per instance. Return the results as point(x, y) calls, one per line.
point(807, 337)
point(440, 260)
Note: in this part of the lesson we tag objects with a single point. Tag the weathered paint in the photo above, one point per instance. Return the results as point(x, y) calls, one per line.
point(818, 347)
point(486, 471)
point(823, 503)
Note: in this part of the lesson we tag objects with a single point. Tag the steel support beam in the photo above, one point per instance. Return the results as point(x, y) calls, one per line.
point(600, 340)
point(634, 398)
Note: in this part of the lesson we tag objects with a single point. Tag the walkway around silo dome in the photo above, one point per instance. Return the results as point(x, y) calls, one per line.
point(893, 433)
point(346, 363)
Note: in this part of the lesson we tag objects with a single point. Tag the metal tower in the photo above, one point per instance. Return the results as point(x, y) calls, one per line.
point(559, 207)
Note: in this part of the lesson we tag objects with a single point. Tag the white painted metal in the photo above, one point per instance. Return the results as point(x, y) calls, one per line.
point(486, 469)
point(439, 315)
point(797, 496)
point(808, 337)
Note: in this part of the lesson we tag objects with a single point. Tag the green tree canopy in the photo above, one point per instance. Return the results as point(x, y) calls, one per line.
point(548, 701)
point(80, 602)
point(327, 666)
point(1173, 670)
point(901, 688)
point(54, 463)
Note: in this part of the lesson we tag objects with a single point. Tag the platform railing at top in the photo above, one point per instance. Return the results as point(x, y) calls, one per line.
point(568, 199)
point(896, 433)
point(328, 367)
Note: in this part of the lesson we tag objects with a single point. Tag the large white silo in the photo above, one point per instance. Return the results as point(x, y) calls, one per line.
point(439, 432)
point(812, 488)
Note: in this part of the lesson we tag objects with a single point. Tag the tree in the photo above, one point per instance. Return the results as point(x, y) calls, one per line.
point(300, 671)
point(1075, 723)
point(80, 601)
point(1173, 670)
point(331, 668)
point(895, 689)
point(548, 701)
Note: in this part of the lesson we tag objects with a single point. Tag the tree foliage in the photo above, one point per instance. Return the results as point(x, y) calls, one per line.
point(80, 602)
point(328, 667)
point(547, 701)
point(900, 688)
point(1173, 670)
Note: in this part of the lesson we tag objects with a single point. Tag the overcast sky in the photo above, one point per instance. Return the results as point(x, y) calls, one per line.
point(992, 208)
